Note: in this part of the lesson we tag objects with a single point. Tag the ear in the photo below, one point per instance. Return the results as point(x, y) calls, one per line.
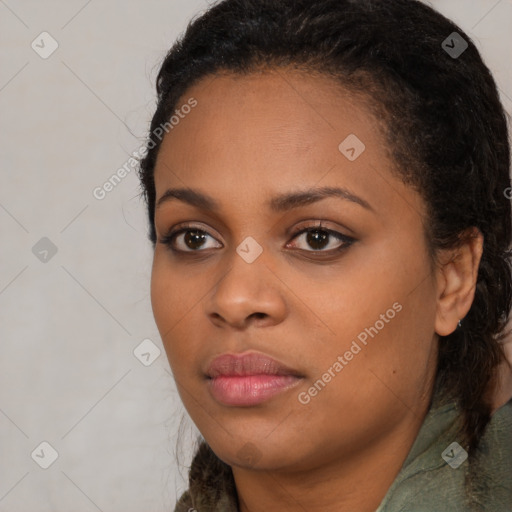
point(456, 279)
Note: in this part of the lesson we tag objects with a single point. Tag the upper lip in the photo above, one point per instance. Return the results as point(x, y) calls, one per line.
point(248, 364)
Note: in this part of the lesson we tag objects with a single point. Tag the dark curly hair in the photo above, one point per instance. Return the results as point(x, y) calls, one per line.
point(446, 127)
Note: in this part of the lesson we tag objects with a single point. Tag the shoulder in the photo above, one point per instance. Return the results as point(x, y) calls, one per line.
point(439, 475)
point(492, 468)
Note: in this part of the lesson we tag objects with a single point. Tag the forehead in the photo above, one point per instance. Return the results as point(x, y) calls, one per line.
point(266, 119)
point(267, 130)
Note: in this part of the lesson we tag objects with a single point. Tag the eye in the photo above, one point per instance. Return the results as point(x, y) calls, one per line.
point(319, 237)
point(193, 240)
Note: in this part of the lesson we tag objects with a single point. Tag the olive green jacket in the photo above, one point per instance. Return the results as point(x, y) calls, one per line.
point(432, 478)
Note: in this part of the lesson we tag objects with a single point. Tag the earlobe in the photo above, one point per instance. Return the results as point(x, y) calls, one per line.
point(456, 282)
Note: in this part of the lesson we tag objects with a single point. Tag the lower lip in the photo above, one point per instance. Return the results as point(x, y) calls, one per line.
point(250, 389)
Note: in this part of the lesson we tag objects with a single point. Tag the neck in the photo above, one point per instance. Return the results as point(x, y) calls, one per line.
point(355, 483)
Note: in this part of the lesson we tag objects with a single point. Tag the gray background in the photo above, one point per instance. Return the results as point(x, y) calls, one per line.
point(70, 321)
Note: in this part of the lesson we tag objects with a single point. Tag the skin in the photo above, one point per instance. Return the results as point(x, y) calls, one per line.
point(250, 138)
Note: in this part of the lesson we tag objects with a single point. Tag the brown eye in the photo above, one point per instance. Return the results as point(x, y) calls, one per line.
point(318, 238)
point(193, 240)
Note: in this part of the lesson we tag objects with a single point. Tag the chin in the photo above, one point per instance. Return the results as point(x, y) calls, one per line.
point(258, 451)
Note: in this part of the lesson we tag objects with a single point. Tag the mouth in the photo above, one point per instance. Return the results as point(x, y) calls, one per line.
point(249, 379)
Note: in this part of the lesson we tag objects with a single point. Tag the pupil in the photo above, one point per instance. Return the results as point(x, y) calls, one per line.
point(314, 238)
point(192, 237)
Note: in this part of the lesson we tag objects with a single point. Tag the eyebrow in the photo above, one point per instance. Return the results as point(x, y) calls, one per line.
point(280, 203)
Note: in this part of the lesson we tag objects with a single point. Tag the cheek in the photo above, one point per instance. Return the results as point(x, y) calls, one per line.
point(381, 323)
point(177, 296)
point(161, 296)
point(174, 291)
point(171, 301)
point(386, 362)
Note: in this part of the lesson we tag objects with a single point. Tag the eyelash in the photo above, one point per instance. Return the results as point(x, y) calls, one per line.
point(169, 238)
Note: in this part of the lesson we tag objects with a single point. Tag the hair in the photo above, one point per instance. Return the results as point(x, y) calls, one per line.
point(443, 120)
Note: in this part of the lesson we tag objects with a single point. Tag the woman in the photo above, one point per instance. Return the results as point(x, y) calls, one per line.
point(331, 275)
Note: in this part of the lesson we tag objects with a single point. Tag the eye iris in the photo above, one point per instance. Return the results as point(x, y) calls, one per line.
point(192, 237)
point(316, 237)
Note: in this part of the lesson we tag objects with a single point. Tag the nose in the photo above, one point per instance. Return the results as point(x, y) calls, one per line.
point(247, 293)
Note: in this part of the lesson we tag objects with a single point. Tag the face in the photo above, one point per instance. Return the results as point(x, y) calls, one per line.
point(346, 308)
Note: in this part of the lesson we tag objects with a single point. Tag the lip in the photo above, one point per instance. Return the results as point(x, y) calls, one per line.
point(249, 379)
